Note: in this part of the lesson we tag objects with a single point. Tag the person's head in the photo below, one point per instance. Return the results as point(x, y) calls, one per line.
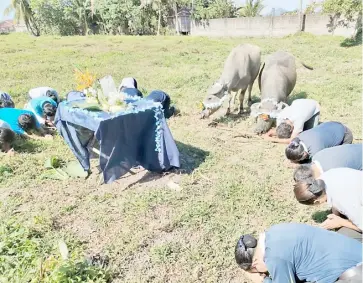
point(7, 138)
point(304, 173)
point(27, 122)
point(128, 83)
point(49, 110)
point(310, 191)
point(245, 255)
point(6, 101)
point(53, 95)
point(284, 130)
point(295, 151)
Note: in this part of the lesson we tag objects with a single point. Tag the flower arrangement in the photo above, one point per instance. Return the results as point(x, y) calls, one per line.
point(91, 87)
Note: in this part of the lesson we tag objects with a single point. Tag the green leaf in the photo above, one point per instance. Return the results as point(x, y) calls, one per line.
point(55, 174)
point(74, 169)
point(52, 162)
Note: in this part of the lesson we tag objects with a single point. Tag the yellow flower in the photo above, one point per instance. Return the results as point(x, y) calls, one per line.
point(84, 80)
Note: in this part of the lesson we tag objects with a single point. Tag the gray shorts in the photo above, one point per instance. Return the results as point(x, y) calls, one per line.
point(350, 233)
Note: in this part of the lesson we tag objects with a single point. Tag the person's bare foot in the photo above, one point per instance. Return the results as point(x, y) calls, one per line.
point(48, 137)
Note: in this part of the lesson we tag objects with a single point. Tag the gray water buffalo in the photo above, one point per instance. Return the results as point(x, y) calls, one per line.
point(276, 81)
point(240, 71)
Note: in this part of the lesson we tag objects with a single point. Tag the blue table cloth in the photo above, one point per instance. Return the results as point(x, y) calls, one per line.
point(136, 136)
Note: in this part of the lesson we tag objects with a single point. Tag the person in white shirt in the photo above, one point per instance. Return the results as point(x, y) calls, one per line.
point(341, 188)
point(301, 115)
point(44, 91)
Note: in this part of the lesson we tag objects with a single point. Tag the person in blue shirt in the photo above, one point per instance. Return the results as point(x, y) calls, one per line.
point(291, 252)
point(128, 86)
point(22, 122)
point(308, 143)
point(44, 109)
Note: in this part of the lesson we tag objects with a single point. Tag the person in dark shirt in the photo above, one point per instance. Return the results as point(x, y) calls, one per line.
point(128, 86)
point(310, 142)
point(290, 252)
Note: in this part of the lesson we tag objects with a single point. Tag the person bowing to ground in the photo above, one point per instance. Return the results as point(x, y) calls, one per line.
point(341, 188)
point(289, 253)
point(301, 115)
point(308, 143)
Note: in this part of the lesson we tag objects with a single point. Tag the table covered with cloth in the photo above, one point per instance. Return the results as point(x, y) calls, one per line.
point(137, 136)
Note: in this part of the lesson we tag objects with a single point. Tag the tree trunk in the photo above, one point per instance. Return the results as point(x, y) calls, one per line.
point(177, 28)
point(159, 21)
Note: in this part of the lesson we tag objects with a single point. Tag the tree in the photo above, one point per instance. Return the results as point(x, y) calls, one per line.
point(23, 12)
point(344, 12)
point(213, 9)
point(252, 8)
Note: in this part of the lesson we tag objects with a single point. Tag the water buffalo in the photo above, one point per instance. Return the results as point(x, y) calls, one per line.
point(240, 71)
point(276, 81)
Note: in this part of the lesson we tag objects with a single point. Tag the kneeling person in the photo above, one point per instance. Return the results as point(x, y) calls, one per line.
point(341, 188)
point(129, 87)
point(44, 109)
point(289, 253)
point(44, 91)
point(22, 122)
point(7, 137)
point(301, 115)
point(310, 142)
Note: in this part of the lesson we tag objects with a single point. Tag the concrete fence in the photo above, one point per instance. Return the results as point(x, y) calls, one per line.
point(269, 26)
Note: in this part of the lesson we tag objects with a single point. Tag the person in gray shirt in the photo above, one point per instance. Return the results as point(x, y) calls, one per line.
point(343, 156)
point(341, 188)
point(310, 142)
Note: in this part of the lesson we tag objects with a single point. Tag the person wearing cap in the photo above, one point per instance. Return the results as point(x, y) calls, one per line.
point(128, 86)
point(291, 252)
point(301, 115)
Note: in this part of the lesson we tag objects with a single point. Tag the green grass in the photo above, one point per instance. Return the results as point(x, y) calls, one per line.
point(150, 232)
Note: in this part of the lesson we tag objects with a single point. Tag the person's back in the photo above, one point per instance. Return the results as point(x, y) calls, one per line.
point(347, 155)
point(311, 253)
point(11, 116)
point(325, 135)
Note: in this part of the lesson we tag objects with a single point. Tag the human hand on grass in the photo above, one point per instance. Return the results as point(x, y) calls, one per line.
point(332, 222)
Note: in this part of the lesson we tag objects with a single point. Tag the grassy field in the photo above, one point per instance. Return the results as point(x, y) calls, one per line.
point(153, 232)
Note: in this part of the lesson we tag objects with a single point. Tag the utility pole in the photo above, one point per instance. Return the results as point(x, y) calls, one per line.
point(301, 15)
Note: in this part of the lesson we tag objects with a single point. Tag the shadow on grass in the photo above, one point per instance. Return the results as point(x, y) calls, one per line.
point(350, 42)
point(320, 216)
point(25, 146)
point(295, 96)
point(191, 157)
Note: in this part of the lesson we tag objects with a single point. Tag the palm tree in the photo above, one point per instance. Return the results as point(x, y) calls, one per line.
point(252, 8)
point(23, 11)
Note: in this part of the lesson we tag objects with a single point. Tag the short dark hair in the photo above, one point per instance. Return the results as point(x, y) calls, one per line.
point(303, 173)
point(27, 122)
point(295, 151)
point(244, 251)
point(6, 135)
point(51, 94)
point(308, 192)
point(7, 103)
point(284, 130)
point(49, 109)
